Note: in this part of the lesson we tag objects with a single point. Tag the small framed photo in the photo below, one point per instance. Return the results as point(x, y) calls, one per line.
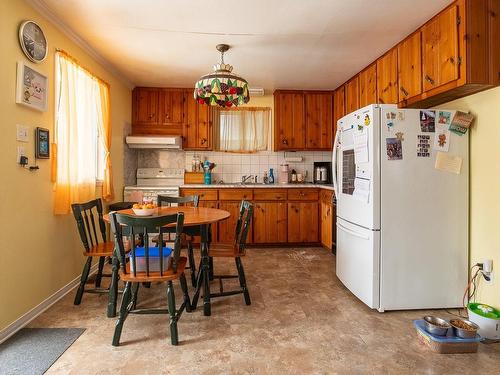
point(42, 142)
point(32, 87)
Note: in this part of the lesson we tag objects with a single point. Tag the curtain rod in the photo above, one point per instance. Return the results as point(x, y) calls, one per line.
point(67, 55)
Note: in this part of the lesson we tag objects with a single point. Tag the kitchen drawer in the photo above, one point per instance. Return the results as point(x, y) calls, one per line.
point(204, 194)
point(326, 196)
point(269, 194)
point(235, 194)
point(303, 194)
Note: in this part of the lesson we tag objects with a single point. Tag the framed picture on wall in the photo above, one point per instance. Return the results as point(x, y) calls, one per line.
point(32, 87)
point(42, 143)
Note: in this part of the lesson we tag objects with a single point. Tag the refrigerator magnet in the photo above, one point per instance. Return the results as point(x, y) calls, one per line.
point(400, 136)
point(427, 121)
point(394, 149)
point(442, 138)
point(367, 120)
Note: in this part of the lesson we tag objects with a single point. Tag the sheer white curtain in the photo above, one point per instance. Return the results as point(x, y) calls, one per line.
point(79, 119)
point(244, 129)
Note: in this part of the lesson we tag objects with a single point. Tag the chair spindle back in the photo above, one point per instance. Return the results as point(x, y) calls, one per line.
point(166, 200)
point(129, 226)
point(243, 226)
point(85, 215)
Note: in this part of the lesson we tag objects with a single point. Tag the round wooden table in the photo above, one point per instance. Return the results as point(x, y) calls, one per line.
point(193, 216)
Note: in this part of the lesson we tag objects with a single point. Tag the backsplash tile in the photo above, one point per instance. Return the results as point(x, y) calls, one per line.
point(230, 166)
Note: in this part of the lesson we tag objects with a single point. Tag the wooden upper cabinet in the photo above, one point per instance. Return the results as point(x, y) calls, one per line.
point(172, 108)
point(338, 107)
point(289, 121)
point(387, 77)
point(197, 126)
point(319, 117)
point(145, 105)
point(410, 67)
point(352, 95)
point(368, 86)
point(440, 49)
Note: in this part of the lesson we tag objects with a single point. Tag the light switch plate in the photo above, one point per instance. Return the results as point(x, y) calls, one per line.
point(22, 133)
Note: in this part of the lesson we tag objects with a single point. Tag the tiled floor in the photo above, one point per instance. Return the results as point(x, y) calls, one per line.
point(301, 321)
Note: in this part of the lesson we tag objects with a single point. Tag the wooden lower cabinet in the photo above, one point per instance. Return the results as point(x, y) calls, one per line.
point(326, 225)
point(270, 222)
point(303, 222)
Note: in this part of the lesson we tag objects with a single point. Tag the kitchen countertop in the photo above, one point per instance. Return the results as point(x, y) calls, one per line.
point(257, 186)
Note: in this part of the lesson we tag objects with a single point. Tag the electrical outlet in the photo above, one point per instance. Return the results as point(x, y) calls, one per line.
point(22, 133)
point(21, 151)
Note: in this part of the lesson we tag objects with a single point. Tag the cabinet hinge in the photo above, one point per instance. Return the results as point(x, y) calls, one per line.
point(459, 20)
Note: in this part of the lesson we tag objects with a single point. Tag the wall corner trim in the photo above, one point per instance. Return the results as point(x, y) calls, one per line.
point(45, 11)
point(25, 319)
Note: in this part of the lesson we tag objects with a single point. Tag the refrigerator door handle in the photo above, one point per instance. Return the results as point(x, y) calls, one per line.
point(356, 234)
point(334, 164)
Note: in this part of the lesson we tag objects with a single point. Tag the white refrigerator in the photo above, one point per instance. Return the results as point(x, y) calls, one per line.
point(402, 215)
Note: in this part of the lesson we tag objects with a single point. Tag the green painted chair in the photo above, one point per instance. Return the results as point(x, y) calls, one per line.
point(235, 250)
point(92, 230)
point(149, 265)
point(189, 232)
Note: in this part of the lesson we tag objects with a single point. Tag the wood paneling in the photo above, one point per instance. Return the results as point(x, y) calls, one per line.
point(368, 86)
point(387, 77)
point(338, 107)
point(270, 222)
point(303, 222)
point(410, 67)
point(289, 121)
point(352, 95)
point(440, 50)
point(319, 117)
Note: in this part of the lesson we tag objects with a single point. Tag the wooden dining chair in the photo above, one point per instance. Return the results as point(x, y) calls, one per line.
point(189, 232)
point(95, 243)
point(235, 250)
point(147, 264)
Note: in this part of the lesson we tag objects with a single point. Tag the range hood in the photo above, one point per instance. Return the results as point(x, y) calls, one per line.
point(158, 142)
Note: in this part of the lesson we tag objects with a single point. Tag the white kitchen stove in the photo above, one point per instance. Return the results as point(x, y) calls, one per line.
point(152, 182)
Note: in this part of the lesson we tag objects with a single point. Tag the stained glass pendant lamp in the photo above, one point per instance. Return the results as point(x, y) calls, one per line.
point(222, 87)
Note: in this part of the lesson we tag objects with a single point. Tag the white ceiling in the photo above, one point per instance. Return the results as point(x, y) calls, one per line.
point(301, 44)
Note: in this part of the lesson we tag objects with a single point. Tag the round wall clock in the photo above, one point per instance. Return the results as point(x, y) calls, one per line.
point(33, 41)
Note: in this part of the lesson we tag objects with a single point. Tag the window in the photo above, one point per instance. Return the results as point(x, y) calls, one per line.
point(244, 129)
point(82, 135)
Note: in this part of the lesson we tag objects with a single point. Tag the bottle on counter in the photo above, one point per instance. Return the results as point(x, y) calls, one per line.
point(193, 164)
point(271, 176)
point(294, 175)
point(265, 179)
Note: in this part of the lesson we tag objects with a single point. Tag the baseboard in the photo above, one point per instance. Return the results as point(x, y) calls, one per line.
point(41, 307)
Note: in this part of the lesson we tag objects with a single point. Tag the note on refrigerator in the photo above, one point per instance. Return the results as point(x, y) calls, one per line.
point(361, 147)
point(448, 163)
point(361, 190)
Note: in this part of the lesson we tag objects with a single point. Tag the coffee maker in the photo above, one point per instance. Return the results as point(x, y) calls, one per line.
point(322, 173)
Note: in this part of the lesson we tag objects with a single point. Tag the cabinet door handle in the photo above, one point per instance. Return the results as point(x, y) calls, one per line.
point(203, 141)
point(403, 90)
point(151, 115)
point(284, 141)
point(429, 79)
point(452, 60)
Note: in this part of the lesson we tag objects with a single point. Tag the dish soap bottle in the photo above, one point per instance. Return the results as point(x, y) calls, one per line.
point(271, 176)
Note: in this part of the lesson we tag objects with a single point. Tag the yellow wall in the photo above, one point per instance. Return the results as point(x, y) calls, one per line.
point(484, 184)
point(39, 252)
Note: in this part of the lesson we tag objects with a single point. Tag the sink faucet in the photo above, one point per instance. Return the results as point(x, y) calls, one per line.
point(245, 178)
